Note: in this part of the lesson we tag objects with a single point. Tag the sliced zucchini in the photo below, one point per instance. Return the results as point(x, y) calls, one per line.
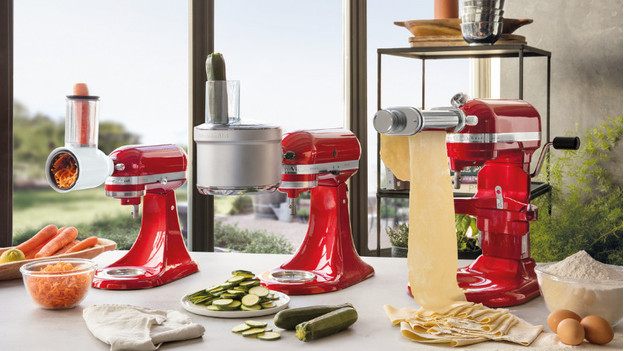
point(253, 331)
point(250, 300)
point(234, 305)
point(256, 324)
point(269, 336)
point(242, 272)
point(250, 283)
point(240, 328)
point(251, 308)
point(222, 302)
point(236, 279)
point(259, 291)
point(268, 304)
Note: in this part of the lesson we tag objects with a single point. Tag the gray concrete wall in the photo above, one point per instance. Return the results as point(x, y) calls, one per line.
point(585, 38)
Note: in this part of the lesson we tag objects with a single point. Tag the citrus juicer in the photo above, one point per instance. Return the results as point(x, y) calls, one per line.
point(320, 161)
point(501, 136)
point(148, 173)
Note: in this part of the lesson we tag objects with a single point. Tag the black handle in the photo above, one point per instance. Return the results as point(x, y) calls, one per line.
point(566, 143)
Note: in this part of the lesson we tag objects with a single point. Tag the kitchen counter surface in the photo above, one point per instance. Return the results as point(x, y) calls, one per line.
point(24, 326)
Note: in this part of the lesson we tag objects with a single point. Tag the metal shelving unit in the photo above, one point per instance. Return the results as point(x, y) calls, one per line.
point(519, 51)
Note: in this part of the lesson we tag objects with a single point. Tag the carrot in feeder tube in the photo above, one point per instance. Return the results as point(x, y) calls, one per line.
point(82, 114)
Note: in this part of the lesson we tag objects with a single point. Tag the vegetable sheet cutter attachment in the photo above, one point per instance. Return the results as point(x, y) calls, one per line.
point(130, 173)
point(501, 137)
point(320, 161)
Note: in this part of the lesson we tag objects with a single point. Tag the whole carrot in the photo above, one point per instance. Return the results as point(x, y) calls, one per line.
point(82, 113)
point(66, 248)
point(44, 235)
point(33, 252)
point(85, 244)
point(68, 235)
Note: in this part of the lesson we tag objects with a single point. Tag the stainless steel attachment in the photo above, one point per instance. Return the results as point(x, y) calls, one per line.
point(236, 159)
point(405, 120)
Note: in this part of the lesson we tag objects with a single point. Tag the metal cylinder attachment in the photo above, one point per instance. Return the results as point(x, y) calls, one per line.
point(236, 159)
point(405, 120)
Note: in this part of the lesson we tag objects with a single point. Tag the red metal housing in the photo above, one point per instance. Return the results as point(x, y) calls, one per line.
point(321, 161)
point(507, 134)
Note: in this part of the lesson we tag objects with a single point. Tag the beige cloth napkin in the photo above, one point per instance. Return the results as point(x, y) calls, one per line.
point(126, 327)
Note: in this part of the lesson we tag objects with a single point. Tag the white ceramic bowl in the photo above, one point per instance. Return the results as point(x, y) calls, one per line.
point(583, 296)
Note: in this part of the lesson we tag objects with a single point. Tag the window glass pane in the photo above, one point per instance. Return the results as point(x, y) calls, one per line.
point(401, 85)
point(134, 55)
point(287, 56)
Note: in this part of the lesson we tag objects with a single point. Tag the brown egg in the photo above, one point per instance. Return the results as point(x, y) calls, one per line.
point(557, 316)
point(597, 330)
point(570, 332)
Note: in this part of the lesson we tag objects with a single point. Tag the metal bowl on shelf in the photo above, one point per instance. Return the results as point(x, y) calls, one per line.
point(467, 10)
point(481, 17)
point(476, 33)
point(484, 3)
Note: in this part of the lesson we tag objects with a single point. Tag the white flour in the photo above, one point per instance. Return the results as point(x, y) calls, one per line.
point(585, 298)
point(582, 266)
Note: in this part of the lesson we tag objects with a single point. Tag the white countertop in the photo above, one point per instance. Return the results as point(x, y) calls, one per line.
point(24, 326)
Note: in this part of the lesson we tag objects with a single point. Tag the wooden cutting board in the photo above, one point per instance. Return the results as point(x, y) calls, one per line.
point(458, 40)
point(11, 270)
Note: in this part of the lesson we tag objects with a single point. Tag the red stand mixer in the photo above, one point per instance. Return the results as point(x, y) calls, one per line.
point(130, 173)
point(501, 136)
point(320, 161)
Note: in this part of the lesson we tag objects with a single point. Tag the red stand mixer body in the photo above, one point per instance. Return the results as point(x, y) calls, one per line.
point(320, 161)
point(159, 255)
point(503, 141)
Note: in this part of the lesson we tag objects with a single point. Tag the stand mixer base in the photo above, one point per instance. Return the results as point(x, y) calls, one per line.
point(157, 257)
point(499, 282)
point(299, 282)
point(122, 278)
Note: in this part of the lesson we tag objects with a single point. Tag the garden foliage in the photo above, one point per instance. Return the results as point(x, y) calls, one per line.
point(584, 210)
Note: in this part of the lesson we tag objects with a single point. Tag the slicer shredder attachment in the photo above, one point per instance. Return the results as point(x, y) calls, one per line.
point(500, 136)
point(133, 174)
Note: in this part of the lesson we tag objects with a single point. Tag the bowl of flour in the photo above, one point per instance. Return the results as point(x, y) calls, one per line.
point(582, 285)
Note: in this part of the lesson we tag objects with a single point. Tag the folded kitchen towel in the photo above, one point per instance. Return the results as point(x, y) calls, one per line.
point(126, 327)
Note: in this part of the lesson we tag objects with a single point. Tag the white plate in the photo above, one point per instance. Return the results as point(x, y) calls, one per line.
point(280, 304)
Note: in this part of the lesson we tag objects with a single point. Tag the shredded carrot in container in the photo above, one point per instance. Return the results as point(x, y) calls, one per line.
point(65, 170)
point(59, 291)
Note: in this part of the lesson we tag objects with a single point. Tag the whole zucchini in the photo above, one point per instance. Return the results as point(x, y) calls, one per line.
point(288, 319)
point(215, 67)
point(327, 324)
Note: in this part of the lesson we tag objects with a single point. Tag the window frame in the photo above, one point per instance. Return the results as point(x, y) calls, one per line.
point(201, 43)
